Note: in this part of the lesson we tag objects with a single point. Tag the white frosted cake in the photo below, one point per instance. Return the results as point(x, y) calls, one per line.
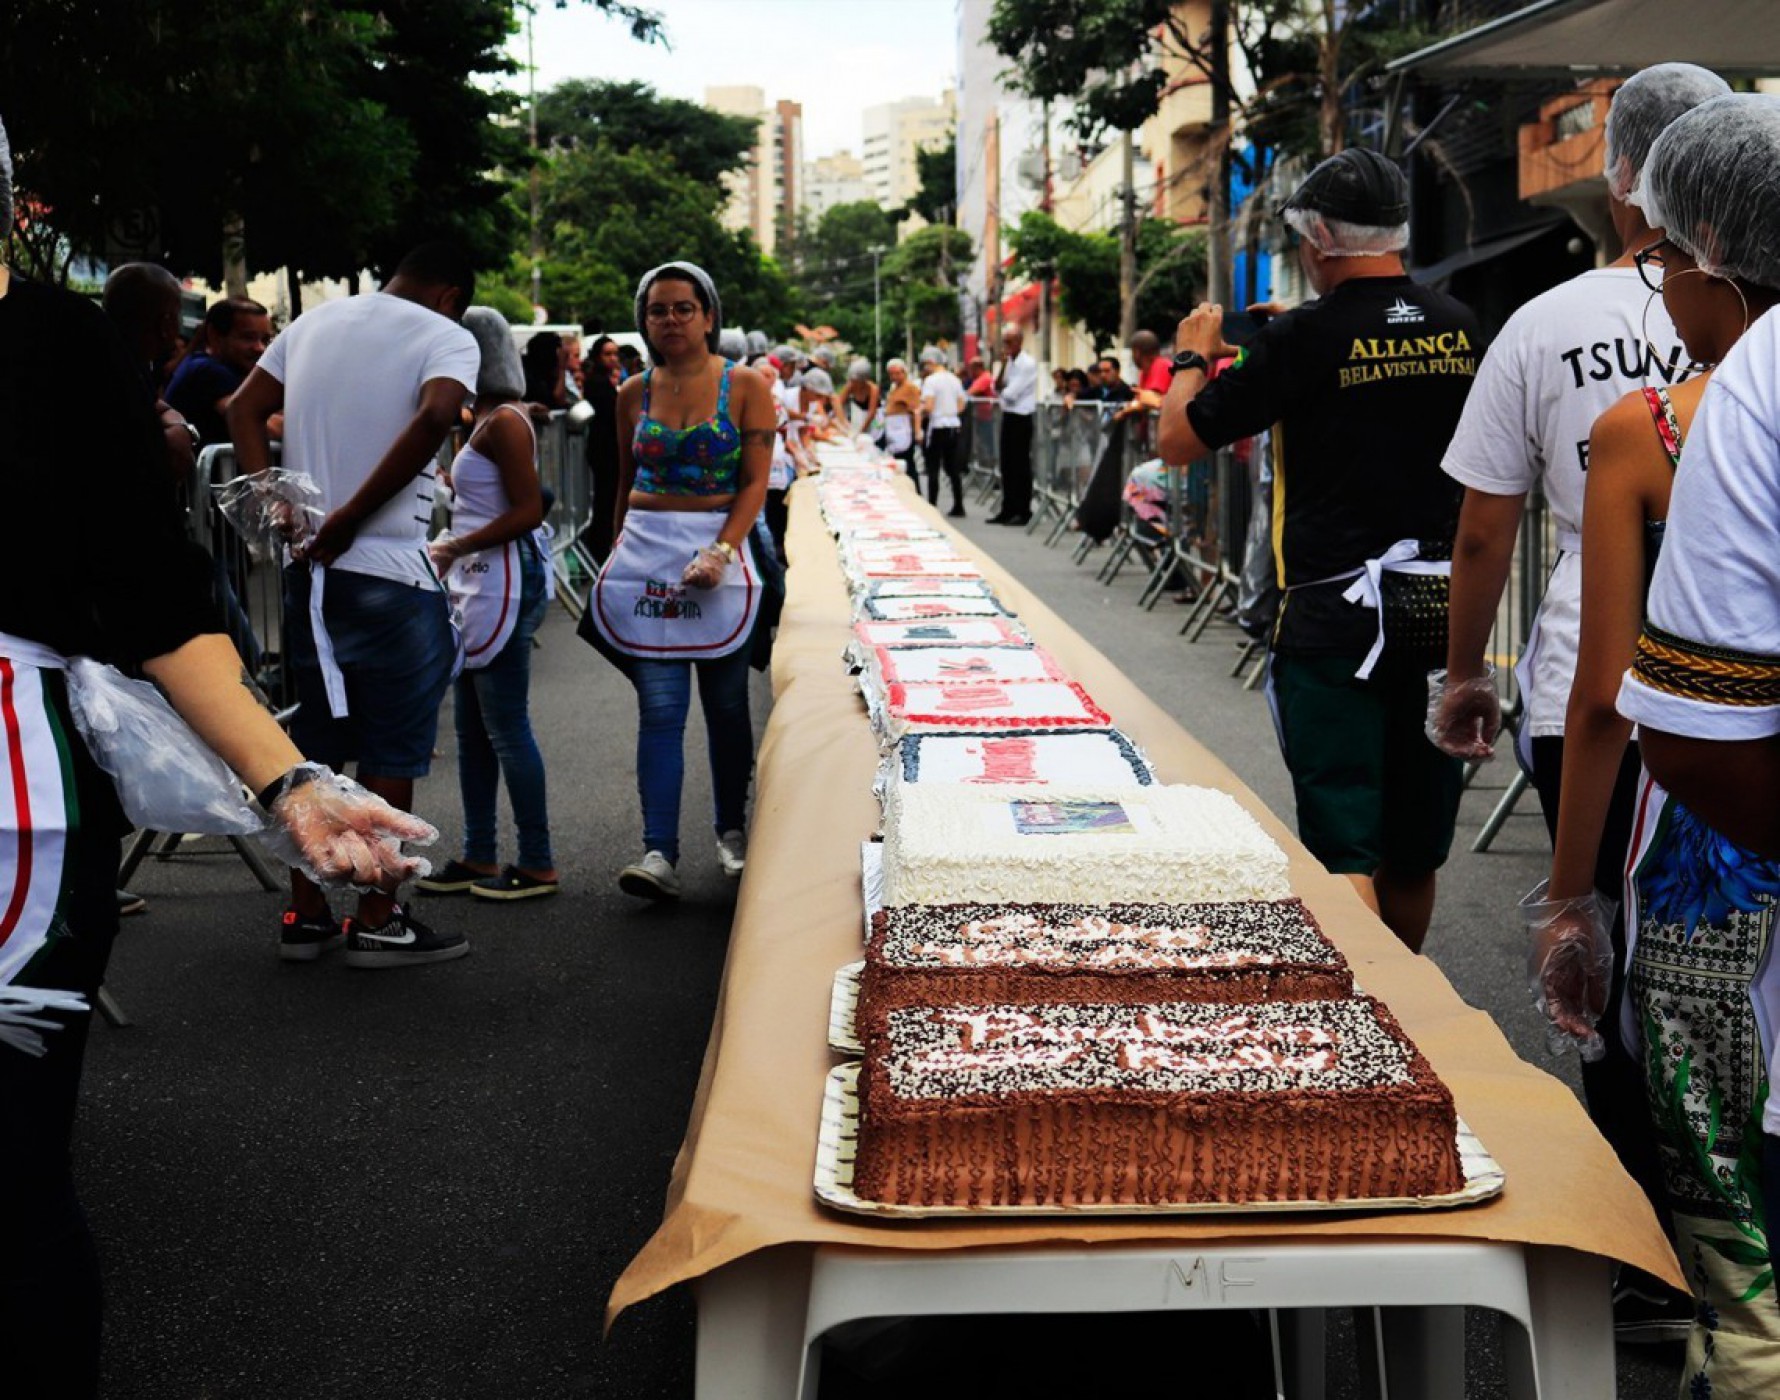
point(915, 609)
point(950, 632)
point(986, 706)
point(948, 587)
point(1007, 844)
point(958, 665)
point(1097, 758)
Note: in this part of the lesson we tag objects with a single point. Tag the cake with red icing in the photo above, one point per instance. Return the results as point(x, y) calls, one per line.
point(930, 707)
point(1034, 1104)
point(1235, 951)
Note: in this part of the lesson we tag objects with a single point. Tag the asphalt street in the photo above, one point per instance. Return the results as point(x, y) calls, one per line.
point(310, 1181)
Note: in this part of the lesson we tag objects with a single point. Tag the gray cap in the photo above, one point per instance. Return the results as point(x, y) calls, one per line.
point(684, 272)
point(499, 376)
point(1712, 184)
point(1357, 186)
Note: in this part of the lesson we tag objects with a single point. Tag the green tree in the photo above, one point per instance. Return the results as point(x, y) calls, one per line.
point(1170, 272)
point(936, 173)
point(920, 281)
point(631, 116)
point(833, 259)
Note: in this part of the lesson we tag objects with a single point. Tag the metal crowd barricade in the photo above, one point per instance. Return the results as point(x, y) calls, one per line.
point(1066, 444)
point(982, 448)
point(568, 486)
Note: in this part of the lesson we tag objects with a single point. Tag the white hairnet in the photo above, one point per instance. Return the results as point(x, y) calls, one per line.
point(1645, 103)
point(1337, 238)
point(1712, 184)
point(732, 344)
point(499, 376)
point(817, 381)
point(932, 355)
point(897, 363)
point(859, 369)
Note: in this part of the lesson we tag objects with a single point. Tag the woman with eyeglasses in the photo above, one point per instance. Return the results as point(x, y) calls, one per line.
point(1700, 1004)
point(681, 592)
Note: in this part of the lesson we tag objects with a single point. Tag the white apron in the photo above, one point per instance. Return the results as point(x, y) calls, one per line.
point(899, 433)
point(484, 588)
point(37, 815)
point(642, 609)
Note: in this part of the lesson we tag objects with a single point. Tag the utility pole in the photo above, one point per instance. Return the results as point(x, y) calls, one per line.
point(877, 320)
point(1047, 355)
point(1217, 253)
point(1127, 241)
point(531, 87)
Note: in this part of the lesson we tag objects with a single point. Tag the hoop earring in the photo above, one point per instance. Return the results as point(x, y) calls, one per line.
point(1644, 319)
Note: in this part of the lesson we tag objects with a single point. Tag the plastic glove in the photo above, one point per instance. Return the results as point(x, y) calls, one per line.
point(339, 834)
point(1464, 717)
point(444, 552)
point(706, 568)
point(272, 507)
point(1570, 966)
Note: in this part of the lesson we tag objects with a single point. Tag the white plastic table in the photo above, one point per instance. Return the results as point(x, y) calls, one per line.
point(761, 1319)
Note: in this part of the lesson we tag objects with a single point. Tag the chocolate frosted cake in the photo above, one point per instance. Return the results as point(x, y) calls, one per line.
point(1240, 951)
point(1059, 1105)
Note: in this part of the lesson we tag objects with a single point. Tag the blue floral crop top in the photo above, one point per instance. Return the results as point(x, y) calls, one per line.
point(702, 460)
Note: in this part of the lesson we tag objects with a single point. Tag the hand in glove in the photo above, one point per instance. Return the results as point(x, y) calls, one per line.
point(706, 568)
point(337, 833)
point(1464, 717)
point(1570, 966)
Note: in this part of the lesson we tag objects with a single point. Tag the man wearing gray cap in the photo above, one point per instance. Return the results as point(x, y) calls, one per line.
point(1361, 388)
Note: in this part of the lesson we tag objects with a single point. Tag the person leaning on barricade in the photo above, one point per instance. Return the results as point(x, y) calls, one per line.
point(137, 592)
point(1366, 382)
point(369, 387)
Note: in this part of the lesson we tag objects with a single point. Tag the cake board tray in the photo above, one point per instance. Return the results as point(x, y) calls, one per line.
point(843, 1010)
point(871, 879)
point(837, 1143)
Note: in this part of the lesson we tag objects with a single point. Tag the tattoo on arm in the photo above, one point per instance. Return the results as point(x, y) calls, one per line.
point(758, 437)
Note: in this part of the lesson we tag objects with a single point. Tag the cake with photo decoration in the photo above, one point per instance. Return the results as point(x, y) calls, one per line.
point(949, 586)
point(962, 665)
point(1089, 758)
point(943, 632)
point(1065, 1104)
point(1234, 951)
point(1007, 844)
point(936, 707)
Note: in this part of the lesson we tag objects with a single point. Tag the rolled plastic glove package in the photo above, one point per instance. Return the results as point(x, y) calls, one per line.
point(340, 834)
point(272, 508)
point(1570, 966)
point(1464, 717)
point(166, 777)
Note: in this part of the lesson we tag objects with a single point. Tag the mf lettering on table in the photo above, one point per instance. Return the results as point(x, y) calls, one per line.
point(1212, 1282)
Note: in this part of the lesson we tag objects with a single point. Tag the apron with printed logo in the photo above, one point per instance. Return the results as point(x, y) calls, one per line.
point(641, 608)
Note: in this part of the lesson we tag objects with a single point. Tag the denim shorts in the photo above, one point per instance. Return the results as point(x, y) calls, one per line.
point(394, 646)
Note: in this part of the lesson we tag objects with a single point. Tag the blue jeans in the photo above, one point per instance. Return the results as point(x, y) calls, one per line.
point(494, 735)
point(664, 695)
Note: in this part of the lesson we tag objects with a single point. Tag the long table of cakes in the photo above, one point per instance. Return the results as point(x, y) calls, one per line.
point(1017, 963)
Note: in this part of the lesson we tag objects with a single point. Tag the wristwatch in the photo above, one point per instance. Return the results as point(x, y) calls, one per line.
point(1190, 359)
point(726, 549)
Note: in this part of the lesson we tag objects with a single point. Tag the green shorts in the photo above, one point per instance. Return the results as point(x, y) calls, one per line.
point(1371, 790)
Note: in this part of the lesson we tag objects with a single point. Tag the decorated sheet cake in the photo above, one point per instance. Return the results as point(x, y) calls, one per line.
point(1236, 951)
point(917, 609)
point(1092, 758)
point(929, 707)
point(952, 631)
point(948, 587)
point(1149, 1104)
point(967, 844)
point(962, 665)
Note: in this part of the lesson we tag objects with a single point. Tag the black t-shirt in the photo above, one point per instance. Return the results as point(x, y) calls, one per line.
point(1119, 392)
point(1363, 388)
point(199, 384)
point(98, 563)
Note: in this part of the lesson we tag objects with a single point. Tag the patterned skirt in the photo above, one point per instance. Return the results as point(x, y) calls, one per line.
point(1701, 1000)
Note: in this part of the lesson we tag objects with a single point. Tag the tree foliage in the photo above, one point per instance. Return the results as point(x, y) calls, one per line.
point(936, 174)
point(631, 116)
point(1170, 272)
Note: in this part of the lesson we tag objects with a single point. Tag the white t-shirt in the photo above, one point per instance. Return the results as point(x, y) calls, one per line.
point(1019, 388)
point(1717, 584)
point(352, 370)
point(944, 397)
point(1562, 360)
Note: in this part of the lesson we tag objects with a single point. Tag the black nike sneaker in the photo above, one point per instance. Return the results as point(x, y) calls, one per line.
point(305, 940)
point(399, 941)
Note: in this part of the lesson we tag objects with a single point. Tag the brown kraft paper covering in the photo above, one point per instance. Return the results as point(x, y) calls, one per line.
point(742, 1181)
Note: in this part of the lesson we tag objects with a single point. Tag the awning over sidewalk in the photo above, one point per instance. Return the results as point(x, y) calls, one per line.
point(1576, 37)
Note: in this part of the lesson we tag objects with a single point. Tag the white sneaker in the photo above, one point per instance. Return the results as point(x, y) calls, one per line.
point(652, 877)
point(732, 853)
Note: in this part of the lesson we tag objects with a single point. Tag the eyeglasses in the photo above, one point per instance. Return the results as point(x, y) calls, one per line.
point(676, 311)
point(1646, 258)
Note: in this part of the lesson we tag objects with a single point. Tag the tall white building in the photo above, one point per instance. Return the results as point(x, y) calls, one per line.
point(832, 180)
point(764, 194)
point(893, 133)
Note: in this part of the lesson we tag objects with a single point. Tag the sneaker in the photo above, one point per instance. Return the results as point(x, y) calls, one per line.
point(512, 883)
point(400, 940)
point(305, 940)
point(454, 877)
point(1641, 1319)
point(957, 513)
point(652, 877)
point(128, 903)
point(732, 853)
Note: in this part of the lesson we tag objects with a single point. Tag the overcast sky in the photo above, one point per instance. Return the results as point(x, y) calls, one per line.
point(837, 57)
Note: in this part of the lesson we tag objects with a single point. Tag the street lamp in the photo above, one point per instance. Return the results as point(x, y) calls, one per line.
point(877, 318)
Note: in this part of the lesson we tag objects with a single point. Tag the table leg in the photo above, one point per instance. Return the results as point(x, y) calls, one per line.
point(751, 1328)
point(1569, 1353)
point(1300, 1346)
point(1424, 1352)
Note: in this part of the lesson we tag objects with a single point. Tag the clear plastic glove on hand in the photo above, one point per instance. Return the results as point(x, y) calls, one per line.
point(272, 508)
point(444, 551)
point(339, 834)
point(706, 568)
point(1464, 717)
point(1570, 966)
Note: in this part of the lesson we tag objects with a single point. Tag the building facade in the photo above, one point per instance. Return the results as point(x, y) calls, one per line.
point(764, 195)
point(894, 131)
